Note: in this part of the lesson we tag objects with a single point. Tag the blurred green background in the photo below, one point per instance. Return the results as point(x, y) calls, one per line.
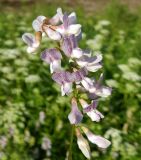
point(31, 107)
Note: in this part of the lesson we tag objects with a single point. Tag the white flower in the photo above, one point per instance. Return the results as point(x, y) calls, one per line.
point(96, 139)
point(83, 144)
point(91, 110)
point(75, 116)
point(32, 41)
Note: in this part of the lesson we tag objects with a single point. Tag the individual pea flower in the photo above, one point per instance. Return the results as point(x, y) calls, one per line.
point(65, 79)
point(83, 144)
point(32, 41)
point(91, 63)
point(68, 27)
point(70, 47)
point(75, 116)
point(91, 111)
point(39, 22)
point(46, 145)
point(96, 139)
point(99, 90)
point(53, 57)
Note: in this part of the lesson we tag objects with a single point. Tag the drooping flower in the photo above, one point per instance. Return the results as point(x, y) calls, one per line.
point(91, 63)
point(91, 110)
point(75, 116)
point(96, 139)
point(53, 57)
point(32, 41)
point(64, 79)
point(70, 47)
point(83, 144)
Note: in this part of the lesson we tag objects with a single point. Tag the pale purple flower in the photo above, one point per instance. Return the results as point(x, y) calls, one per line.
point(64, 79)
point(37, 24)
point(99, 90)
point(68, 28)
point(87, 83)
point(41, 20)
point(83, 144)
point(42, 116)
point(46, 143)
point(53, 57)
point(95, 88)
point(3, 141)
point(91, 63)
point(70, 47)
point(79, 75)
point(91, 110)
point(75, 116)
point(96, 139)
point(57, 18)
point(32, 41)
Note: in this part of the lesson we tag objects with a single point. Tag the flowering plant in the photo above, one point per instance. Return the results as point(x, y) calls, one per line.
point(76, 80)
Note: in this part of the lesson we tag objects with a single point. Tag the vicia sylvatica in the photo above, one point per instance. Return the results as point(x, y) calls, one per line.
point(77, 79)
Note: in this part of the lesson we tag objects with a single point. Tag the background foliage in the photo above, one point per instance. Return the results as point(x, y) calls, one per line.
point(31, 107)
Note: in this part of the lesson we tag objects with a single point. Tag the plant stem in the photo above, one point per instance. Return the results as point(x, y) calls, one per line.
point(71, 142)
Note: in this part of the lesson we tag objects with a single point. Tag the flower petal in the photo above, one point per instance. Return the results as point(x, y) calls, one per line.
point(95, 115)
point(104, 92)
point(77, 53)
point(28, 38)
point(37, 23)
point(65, 21)
point(67, 87)
point(72, 18)
point(87, 83)
point(98, 140)
point(50, 55)
point(75, 116)
point(74, 29)
point(53, 34)
point(83, 144)
point(94, 68)
point(55, 66)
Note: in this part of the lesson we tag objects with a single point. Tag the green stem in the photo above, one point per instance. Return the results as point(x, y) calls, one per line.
point(71, 142)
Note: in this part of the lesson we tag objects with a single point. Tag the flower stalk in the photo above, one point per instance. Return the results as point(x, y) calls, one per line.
point(71, 142)
point(63, 29)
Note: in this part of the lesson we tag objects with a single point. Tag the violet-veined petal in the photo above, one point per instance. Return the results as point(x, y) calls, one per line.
point(75, 116)
point(95, 139)
point(72, 18)
point(77, 53)
point(53, 34)
point(83, 144)
point(67, 87)
point(65, 21)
